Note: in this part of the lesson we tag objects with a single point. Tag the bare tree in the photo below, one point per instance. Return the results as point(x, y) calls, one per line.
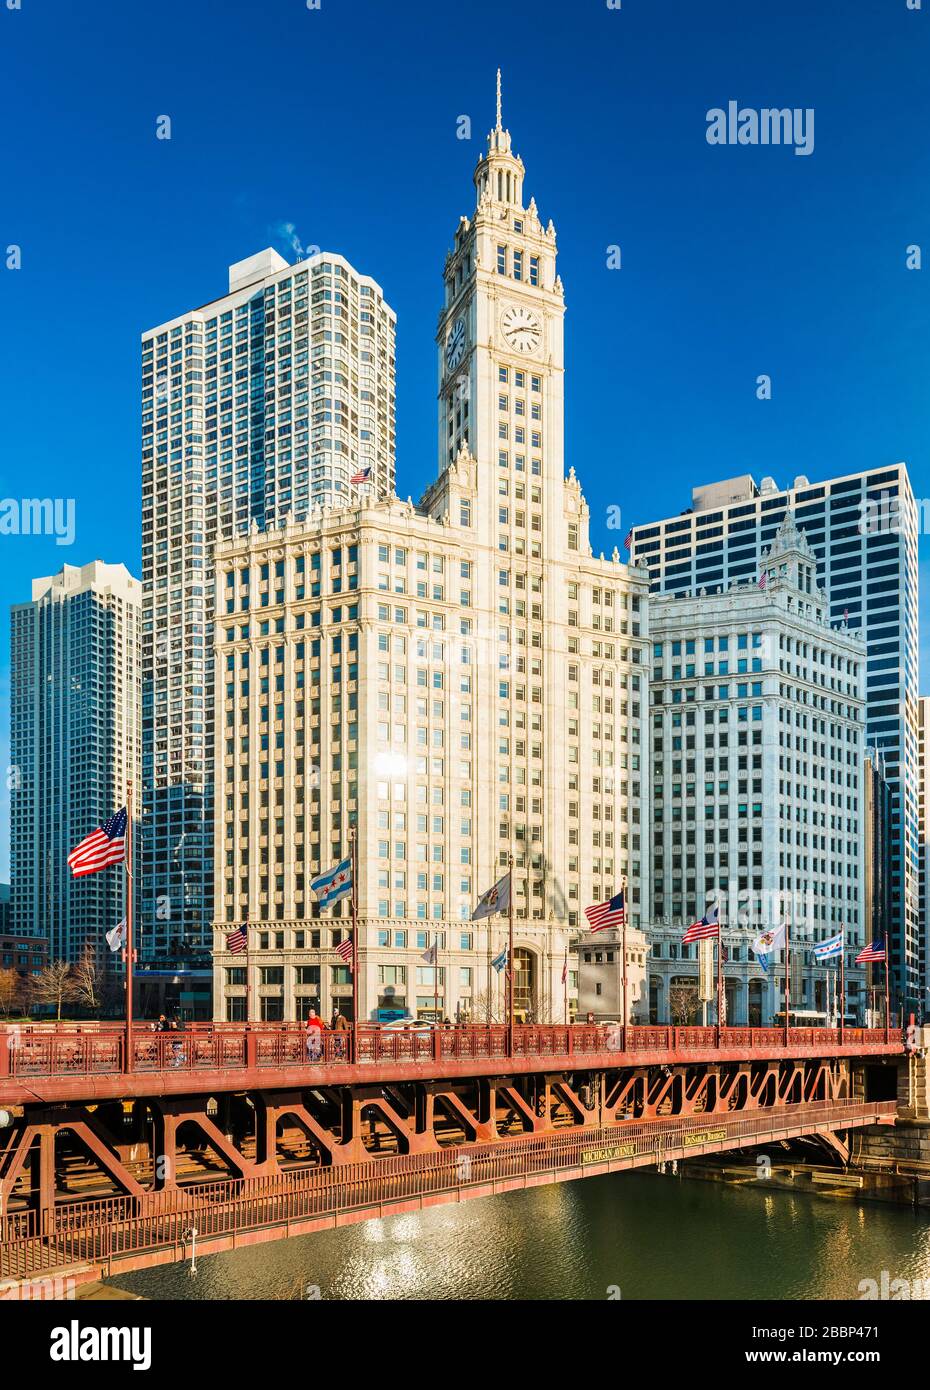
point(55, 985)
point(10, 990)
point(86, 979)
point(484, 1009)
point(683, 1004)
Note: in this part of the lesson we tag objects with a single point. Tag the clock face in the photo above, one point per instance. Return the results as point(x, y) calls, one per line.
point(455, 345)
point(521, 328)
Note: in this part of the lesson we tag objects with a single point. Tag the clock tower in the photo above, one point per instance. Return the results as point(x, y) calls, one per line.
point(500, 350)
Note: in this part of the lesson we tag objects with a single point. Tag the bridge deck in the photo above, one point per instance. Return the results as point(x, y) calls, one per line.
point(88, 1062)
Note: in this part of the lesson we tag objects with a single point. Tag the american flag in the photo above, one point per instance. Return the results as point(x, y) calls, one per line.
point(361, 476)
point(709, 925)
point(565, 969)
point(629, 539)
point(102, 847)
point(763, 580)
point(875, 951)
point(845, 615)
point(612, 913)
point(237, 941)
point(344, 949)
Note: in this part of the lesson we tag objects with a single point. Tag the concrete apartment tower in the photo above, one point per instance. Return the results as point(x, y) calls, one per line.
point(75, 743)
point(256, 407)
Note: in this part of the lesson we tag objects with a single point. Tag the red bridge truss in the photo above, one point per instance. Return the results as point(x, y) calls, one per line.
point(248, 1133)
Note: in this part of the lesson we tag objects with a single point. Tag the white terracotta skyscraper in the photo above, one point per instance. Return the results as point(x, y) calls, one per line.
point(461, 680)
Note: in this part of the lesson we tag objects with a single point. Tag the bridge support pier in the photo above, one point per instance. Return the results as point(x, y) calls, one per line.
point(410, 1138)
point(43, 1159)
point(274, 1106)
point(475, 1123)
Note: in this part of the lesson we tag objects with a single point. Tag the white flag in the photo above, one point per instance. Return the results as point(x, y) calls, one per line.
point(769, 941)
point(496, 899)
point(116, 937)
point(430, 955)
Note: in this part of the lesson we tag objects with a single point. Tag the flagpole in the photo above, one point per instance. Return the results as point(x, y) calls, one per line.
point(719, 974)
point(510, 961)
point(565, 987)
point(787, 977)
point(626, 1017)
point(842, 982)
point(248, 972)
point(130, 944)
point(436, 975)
point(887, 991)
point(353, 842)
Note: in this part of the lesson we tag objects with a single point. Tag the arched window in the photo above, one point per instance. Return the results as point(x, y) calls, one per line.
point(525, 984)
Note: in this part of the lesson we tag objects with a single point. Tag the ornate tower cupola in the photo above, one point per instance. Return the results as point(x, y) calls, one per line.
point(499, 173)
point(791, 558)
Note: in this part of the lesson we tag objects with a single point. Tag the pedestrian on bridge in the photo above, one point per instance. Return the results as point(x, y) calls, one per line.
point(341, 1027)
point(315, 1027)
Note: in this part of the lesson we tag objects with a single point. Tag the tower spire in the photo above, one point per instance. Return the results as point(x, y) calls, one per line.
point(499, 174)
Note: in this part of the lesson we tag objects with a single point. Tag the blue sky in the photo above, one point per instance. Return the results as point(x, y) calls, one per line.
point(736, 261)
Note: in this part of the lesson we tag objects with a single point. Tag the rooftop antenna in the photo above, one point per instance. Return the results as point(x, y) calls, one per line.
point(499, 126)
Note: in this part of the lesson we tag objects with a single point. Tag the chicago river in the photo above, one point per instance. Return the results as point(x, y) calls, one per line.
point(622, 1236)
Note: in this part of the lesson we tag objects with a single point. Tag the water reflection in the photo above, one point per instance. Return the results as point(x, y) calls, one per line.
point(652, 1236)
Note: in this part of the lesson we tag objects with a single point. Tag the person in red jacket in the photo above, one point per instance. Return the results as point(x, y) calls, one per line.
point(314, 1036)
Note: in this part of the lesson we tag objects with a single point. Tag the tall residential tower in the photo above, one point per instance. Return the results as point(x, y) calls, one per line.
point(256, 407)
point(75, 743)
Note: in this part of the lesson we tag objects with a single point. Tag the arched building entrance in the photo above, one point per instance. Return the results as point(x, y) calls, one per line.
point(525, 984)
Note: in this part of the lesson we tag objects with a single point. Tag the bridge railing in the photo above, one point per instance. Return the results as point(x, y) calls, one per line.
point(118, 1228)
point(99, 1049)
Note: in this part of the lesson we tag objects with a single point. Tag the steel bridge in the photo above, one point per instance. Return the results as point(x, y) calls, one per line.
point(112, 1152)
